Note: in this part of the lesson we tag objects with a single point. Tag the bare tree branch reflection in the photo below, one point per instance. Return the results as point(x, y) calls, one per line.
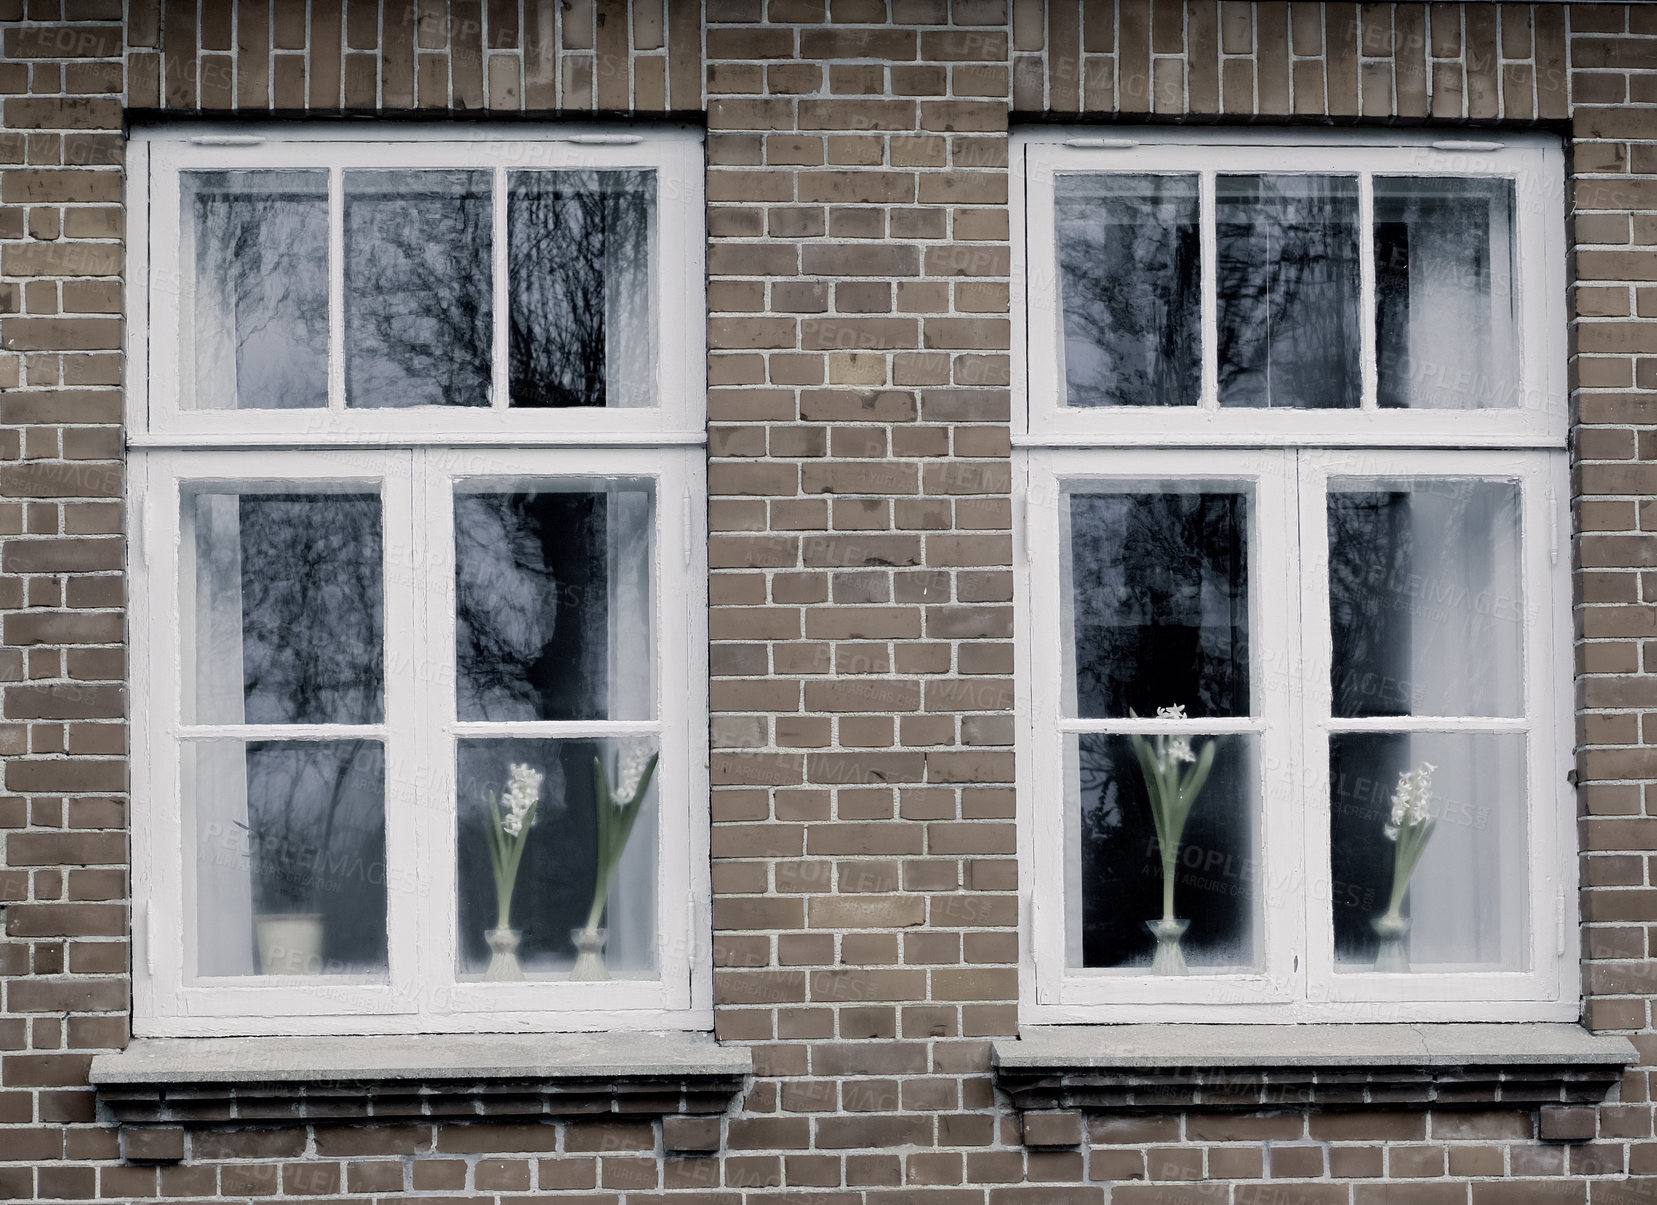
point(261, 288)
point(579, 249)
point(418, 298)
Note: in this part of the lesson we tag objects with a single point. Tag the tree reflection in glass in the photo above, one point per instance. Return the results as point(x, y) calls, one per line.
point(286, 628)
point(578, 265)
point(289, 609)
point(1129, 284)
point(1157, 599)
point(258, 318)
point(552, 603)
point(418, 300)
point(1287, 276)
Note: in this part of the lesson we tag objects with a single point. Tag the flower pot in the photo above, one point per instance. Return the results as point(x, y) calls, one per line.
point(503, 956)
point(290, 943)
point(1169, 958)
point(589, 956)
point(1391, 958)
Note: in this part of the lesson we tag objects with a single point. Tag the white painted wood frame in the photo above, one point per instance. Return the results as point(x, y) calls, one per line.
point(1287, 458)
point(159, 412)
point(414, 460)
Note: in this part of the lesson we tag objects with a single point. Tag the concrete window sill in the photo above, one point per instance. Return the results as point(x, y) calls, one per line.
point(207, 1081)
point(1166, 1067)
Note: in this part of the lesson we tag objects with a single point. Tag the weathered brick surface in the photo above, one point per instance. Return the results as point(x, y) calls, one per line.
point(860, 518)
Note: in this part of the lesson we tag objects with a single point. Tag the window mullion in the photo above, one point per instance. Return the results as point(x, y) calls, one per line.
point(336, 288)
point(1309, 570)
point(1366, 289)
point(500, 380)
point(1209, 239)
point(403, 816)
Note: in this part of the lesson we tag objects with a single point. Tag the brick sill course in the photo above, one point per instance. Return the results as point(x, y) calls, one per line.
point(208, 1081)
point(1223, 1067)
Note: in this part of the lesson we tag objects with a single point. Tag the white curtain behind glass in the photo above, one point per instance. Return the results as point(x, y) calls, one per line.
point(1465, 659)
point(632, 658)
point(224, 891)
point(629, 337)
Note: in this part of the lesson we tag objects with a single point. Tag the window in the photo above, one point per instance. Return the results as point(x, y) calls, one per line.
point(418, 655)
point(1296, 593)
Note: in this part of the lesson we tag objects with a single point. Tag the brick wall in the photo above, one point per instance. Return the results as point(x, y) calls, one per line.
point(863, 844)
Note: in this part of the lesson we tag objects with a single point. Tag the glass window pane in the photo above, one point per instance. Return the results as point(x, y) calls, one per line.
point(1118, 860)
point(418, 295)
point(1444, 302)
point(1287, 277)
point(1460, 873)
point(289, 609)
point(256, 328)
point(578, 245)
point(1155, 593)
point(1130, 284)
point(290, 873)
point(1425, 602)
point(570, 856)
point(553, 601)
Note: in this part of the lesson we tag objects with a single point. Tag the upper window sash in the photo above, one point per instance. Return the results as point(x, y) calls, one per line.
point(1204, 166)
point(468, 197)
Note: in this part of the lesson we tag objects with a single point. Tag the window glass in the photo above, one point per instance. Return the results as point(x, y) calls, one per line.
point(1130, 830)
point(1427, 847)
point(552, 602)
point(1130, 276)
point(1424, 597)
point(418, 301)
point(289, 608)
point(1444, 302)
point(290, 870)
point(554, 834)
point(1288, 280)
point(1156, 600)
point(578, 247)
point(256, 318)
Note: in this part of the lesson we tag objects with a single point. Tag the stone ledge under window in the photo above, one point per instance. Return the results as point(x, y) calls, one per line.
point(1164, 1067)
point(210, 1081)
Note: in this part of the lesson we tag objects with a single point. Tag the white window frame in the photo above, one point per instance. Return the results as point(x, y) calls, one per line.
point(1287, 457)
point(414, 459)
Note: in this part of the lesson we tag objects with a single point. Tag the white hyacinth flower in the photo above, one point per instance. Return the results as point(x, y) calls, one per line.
point(1411, 799)
point(523, 791)
point(1176, 712)
point(635, 755)
point(1179, 749)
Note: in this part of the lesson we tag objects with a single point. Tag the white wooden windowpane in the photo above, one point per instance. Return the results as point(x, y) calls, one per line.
point(1129, 265)
point(579, 252)
point(1287, 278)
point(1465, 906)
point(256, 251)
point(1122, 883)
point(289, 857)
point(418, 309)
point(574, 831)
point(288, 606)
point(1445, 313)
point(553, 601)
point(1425, 597)
point(1157, 599)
